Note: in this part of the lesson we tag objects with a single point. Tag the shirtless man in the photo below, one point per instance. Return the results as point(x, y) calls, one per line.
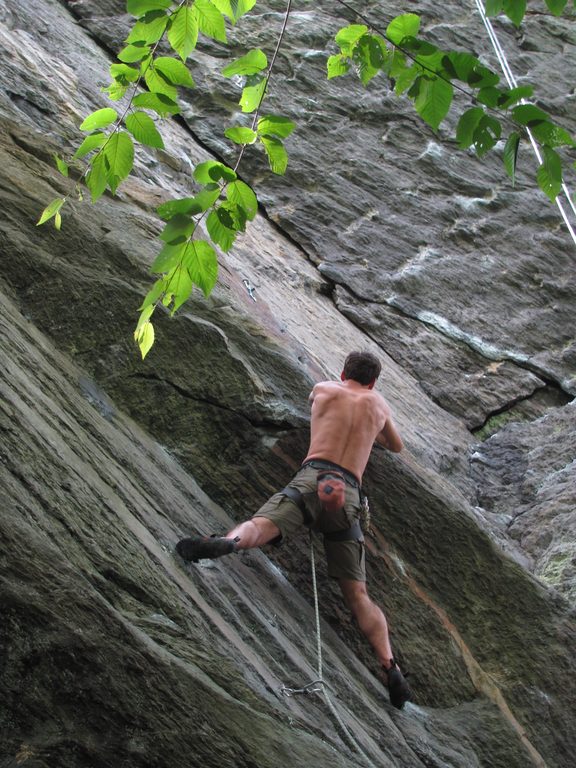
point(347, 418)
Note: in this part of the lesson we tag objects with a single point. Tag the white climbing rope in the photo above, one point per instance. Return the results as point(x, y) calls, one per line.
point(512, 83)
point(319, 686)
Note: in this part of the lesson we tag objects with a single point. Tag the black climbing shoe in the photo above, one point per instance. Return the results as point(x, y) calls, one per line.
point(398, 689)
point(205, 547)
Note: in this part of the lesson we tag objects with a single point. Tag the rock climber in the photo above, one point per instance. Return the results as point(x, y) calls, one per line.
point(347, 417)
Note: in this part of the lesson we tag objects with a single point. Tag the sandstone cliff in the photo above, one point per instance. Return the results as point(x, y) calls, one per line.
point(113, 652)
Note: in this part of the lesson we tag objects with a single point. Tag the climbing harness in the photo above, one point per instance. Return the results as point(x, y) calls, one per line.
point(319, 685)
point(353, 533)
point(512, 83)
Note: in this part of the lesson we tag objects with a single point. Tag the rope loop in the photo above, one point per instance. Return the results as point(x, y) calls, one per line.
point(319, 686)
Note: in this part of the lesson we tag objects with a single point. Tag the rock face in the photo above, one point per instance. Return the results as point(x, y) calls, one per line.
point(113, 652)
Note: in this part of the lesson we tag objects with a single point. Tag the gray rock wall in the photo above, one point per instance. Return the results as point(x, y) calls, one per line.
point(379, 237)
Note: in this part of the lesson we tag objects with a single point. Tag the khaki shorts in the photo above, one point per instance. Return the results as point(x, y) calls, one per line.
point(345, 559)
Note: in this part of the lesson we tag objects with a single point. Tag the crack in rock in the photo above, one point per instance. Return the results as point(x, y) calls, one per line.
point(483, 348)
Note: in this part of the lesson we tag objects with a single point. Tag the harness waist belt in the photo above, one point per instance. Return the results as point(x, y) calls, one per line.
point(354, 533)
point(321, 464)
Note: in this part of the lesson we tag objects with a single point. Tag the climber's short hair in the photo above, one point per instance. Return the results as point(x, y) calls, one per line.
point(363, 367)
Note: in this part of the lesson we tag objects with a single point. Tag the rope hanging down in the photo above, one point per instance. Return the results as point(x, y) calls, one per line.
point(513, 83)
point(319, 686)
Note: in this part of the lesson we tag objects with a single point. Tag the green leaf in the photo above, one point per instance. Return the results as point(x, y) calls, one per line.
point(234, 8)
point(337, 66)
point(119, 155)
point(467, 125)
point(482, 77)
point(514, 95)
point(97, 178)
point(158, 102)
point(556, 6)
point(140, 7)
point(468, 69)
point(225, 8)
point(515, 10)
point(549, 174)
point(179, 287)
point(459, 65)
point(212, 171)
point(433, 100)
point(189, 205)
point(369, 57)
point(210, 20)
point(486, 134)
point(144, 130)
point(494, 7)
point(124, 72)
point(250, 64)
point(183, 32)
point(115, 90)
point(252, 96)
point(397, 63)
point(277, 155)
point(61, 165)
point(157, 83)
point(489, 96)
point(432, 62)
point(348, 37)
point(178, 229)
point(150, 29)
point(241, 135)
point(242, 195)
point(529, 115)
point(421, 47)
point(202, 265)
point(99, 119)
point(236, 213)
point(50, 210)
point(154, 294)
point(220, 226)
point(174, 70)
point(145, 315)
point(240, 7)
point(145, 338)
point(206, 199)
point(275, 125)
point(511, 154)
point(405, 79)
point(57, 220)
point(183, 205)
point(168, 258)
point(407, 25)
point(552, 135)
point(132, 53)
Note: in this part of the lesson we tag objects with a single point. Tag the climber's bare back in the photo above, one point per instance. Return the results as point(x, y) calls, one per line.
point(347, 417)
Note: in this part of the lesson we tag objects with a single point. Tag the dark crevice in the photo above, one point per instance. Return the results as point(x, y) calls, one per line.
point(263, 422)
point(549, 391)
point(506, 408)
point(515, 517)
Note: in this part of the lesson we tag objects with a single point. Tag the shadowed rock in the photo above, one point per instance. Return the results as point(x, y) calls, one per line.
point(113, 652)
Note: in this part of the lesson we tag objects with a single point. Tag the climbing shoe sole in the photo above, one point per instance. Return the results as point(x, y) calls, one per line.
point(197, 548)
